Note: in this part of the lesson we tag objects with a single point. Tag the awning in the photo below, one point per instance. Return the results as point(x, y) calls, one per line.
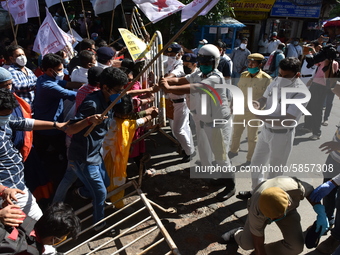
point(229, 22)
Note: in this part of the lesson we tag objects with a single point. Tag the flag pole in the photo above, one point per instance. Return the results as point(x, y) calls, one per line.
point(123, 12)
point(68, 22)
point(149, 64)
point(112, 18)
point(16, 30)
point(87, 29)
point(12, 25)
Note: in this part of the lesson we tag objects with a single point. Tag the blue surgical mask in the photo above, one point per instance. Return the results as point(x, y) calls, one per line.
point(113, 98)
point(253, 70)
point(206, 69)
point(4, 120)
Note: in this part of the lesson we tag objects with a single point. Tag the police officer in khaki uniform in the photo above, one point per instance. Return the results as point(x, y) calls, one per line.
point(258, 80)
point(276, 200)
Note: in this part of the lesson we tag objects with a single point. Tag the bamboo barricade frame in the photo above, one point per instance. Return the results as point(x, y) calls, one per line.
point(146, 206)
point(148, 65)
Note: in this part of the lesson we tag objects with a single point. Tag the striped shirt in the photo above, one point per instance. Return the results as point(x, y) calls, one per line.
point(23, 85)
point(11, 165)
point(83, 92)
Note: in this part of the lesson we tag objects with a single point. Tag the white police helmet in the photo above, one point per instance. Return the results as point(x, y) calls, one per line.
point(209, 53)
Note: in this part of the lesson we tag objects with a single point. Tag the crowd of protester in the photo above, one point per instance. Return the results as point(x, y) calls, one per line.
point(60, 97)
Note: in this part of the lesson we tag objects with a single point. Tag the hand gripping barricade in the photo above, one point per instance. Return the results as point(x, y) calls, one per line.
point(154, 72)
point(144, 233)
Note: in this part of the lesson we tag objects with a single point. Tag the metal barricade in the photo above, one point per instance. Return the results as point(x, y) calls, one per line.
point(138, 196)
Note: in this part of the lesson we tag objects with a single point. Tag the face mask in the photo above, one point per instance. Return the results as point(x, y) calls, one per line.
point(199, 46)
point(285, 82)
point(59, 76)
point(206, 69)
point(95, 38)
point(338, 48)
point(243, 46)
point(4, 120)
point(253, 70)
point(295, 43)
point(71, 16)
point(113, 98)
point(171, 60)
point(66, 61)
point(21, 60)
point(187, 70)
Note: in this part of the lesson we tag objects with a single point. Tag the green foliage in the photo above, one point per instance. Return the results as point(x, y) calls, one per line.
point(335, 12)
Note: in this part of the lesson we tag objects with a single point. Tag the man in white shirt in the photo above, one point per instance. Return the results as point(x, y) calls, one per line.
point(273, 43)
point(263, 44)
point(87, 60)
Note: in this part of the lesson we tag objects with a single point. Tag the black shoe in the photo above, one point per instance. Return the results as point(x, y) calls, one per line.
point(229, 236)
point(247, 163)
point(244, 195)
point(217, 182)
point(226, 194)
point(232, 154)
point(186, 158)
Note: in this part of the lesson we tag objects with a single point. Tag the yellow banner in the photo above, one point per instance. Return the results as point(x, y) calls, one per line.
point(134, 45)
point(253, 5)
point(251, 15)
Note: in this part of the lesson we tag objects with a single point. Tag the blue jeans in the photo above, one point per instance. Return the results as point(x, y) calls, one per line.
point(330, 201)
point(95, 180)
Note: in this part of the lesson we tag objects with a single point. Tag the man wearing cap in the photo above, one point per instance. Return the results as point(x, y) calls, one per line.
point(239, 56)
point(180, 123)
point(276, 139)
point(273, 43)
point(294, 49)
point(276, 200)
point(105, 57)
point(174, 64)
point(218, 136)
point(258, 80)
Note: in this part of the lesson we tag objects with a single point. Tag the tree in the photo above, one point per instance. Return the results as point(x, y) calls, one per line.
point(173, 23)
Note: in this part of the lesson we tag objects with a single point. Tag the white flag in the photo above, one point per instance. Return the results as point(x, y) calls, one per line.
point(156, 10)
point(50, 38)
point(191, 9)
point(32, 9)
point(17, 8)
point(100, 6)
point(49, 3)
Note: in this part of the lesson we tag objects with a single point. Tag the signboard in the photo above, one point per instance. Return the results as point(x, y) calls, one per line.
point(284, 8)
point(134, 45)
point(253, 5)
point(251, 15)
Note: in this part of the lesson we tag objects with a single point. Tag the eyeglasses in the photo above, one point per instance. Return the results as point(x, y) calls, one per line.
point(60, 240)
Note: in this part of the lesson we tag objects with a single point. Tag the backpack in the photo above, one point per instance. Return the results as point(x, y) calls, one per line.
point(18, 240)
point(270, 66)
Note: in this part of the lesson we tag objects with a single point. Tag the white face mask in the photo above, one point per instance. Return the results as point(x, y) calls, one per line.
point(285, 82)
point(171, 60)
point(21, 60)
point(59, 76)
point(243, 46)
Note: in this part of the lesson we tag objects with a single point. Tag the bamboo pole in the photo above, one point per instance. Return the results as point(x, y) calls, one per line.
point(68, 22)
point(149, 64)
point(112, 18)
point(12, 25)
point(87, 29)
point(123, 12)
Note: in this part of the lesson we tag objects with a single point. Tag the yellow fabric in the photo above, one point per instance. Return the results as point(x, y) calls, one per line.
point(273, 202)
point(116, 147)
